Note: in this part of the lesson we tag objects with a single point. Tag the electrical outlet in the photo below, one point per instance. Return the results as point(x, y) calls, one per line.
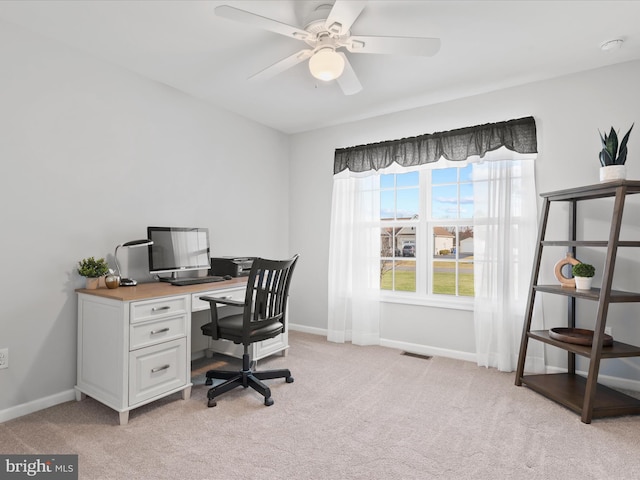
point(4, 358)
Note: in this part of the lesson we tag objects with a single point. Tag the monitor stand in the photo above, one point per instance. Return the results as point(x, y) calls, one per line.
point(174, 276)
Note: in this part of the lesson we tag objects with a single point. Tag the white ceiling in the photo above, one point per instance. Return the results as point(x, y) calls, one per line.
point(486, 45)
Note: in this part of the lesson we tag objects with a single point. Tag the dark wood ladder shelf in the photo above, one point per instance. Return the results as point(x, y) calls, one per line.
point(583, 395)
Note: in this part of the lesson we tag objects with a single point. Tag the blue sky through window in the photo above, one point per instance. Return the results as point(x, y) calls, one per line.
point(400, 197)
point(404, 201)
point(445, 202)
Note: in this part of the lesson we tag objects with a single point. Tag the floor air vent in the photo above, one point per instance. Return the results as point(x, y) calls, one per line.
point(417, 355)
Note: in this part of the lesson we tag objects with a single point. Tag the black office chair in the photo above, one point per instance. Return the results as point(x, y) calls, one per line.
point(263, 317)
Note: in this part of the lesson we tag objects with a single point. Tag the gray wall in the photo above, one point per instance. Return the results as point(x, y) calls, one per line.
point(568, 112)
point(91, 155)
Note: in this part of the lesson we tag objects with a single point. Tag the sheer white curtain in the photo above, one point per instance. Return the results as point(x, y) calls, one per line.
point(505, 233)
point(354, 260)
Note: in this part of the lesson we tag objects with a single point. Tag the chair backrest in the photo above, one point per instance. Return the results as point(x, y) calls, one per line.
point(267, 292)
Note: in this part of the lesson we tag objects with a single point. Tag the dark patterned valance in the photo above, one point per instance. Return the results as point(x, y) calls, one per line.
point(517, 135)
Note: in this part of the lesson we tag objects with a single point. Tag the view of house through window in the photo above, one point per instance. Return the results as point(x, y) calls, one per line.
point(427, 232)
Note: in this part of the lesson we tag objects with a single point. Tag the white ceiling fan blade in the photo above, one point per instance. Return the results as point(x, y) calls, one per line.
point(394, 45)
point(282, 65)
point(265, 23)
point(343, 14)
point(348, 81)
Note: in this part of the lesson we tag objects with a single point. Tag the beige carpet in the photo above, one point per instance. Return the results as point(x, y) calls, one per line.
point(352, 413)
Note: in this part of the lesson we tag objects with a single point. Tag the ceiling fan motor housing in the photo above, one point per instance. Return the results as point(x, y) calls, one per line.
point(314, 22)
point(321, 36)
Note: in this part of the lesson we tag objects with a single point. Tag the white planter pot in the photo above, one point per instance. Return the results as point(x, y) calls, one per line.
point(583, 283)
point(613, 172)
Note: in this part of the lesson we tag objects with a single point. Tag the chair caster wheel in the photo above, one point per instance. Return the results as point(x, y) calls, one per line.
point(211, 403)
point(209, 381)
point(289, 379)
point(268, 401)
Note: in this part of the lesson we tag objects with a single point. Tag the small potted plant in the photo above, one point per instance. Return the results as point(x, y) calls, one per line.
point(93, 270)
point(613, 156)
point(583, 273)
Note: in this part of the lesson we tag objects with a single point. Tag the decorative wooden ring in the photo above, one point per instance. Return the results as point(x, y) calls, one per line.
point(564, 281)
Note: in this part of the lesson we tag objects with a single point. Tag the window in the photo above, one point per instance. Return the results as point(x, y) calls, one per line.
point(426, 236)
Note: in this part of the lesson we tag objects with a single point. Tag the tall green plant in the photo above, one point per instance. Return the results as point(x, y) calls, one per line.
point(610, 154)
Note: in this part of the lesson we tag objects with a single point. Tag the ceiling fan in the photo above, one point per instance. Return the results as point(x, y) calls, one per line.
point(327, 33)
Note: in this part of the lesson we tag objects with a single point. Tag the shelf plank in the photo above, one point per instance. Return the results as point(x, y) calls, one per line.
point(568, 390)
point(617, 350)
point(575, 243)
point(588, 243)
point(599, 190)
point(616, 296)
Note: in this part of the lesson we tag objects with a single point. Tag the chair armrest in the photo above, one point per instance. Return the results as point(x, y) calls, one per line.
point(223, 300)
point(213, 309)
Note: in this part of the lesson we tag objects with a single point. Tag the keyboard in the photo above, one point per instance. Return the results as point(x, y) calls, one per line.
point(180, 282)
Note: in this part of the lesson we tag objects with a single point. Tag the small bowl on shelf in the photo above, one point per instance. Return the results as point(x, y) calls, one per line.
point(578, 336)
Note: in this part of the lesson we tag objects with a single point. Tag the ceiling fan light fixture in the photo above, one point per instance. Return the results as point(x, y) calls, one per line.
point(326, 64)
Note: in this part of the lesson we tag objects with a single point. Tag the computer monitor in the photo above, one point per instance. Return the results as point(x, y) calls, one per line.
point(178, 249)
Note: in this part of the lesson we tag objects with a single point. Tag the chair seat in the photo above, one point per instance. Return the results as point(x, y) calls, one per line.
point(230, 328)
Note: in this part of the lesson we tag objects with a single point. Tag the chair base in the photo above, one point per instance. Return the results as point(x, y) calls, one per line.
point(244, 378)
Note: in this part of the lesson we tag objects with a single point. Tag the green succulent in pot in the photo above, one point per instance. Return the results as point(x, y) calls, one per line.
point(614, 153)
point(92, 268)
point(583, 270)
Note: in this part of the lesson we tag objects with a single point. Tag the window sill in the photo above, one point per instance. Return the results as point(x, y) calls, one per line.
point(437, 301)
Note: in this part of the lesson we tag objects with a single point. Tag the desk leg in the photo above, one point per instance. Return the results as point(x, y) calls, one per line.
point(186, 393)
point(124, 417)
point(80, 396)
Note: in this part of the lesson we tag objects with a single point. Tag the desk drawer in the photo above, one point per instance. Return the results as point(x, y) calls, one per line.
point(199, 305)
point(158, 308)
point(156, 370)
point(157, 331)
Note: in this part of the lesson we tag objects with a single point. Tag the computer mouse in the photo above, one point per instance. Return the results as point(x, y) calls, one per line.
point(227, 277)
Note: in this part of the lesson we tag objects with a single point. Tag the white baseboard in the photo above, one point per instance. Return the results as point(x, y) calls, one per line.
point(198, 354)
point(305, 329)
point(407, 347)
point(427, 350)
point(36, 405)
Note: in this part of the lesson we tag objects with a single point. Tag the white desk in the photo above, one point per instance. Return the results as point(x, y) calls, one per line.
point(134, 343)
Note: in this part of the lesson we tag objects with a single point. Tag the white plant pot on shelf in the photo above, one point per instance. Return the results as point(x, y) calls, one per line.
point(613, 172)
point(583, 283)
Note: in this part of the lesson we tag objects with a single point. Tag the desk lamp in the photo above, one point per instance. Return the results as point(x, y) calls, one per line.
point(129, 282)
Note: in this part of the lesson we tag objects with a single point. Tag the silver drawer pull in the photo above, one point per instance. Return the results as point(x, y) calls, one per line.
point(159, 369)
point(157, 309)
point(162, 330)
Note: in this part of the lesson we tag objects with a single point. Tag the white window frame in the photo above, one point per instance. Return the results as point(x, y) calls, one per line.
point(424, 246)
